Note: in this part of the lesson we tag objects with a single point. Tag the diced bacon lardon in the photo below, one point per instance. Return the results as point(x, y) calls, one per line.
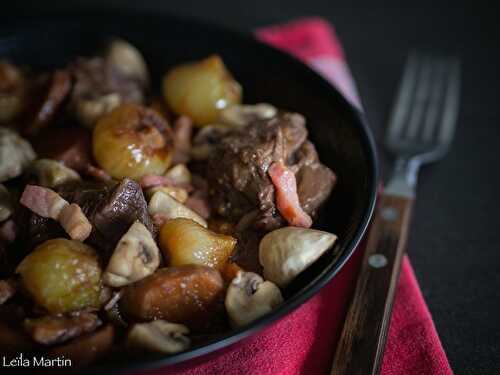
point(43, 201)
point(74, 222)
point(287, 199)
point(47, 203)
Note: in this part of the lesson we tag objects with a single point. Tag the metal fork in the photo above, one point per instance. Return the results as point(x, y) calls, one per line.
point(420, 131)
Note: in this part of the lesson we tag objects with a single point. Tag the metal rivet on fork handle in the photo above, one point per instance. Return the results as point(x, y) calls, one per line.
point(389, 214)
point(377, 261)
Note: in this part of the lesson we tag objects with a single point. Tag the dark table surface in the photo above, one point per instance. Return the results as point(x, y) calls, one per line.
point(454, 241)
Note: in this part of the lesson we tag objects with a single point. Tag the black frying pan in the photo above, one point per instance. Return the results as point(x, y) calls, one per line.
point(338, 130)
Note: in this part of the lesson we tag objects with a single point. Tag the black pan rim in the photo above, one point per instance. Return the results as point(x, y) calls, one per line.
point(14, 28)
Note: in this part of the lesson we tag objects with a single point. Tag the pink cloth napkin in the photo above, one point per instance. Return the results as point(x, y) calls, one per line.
point(304, 341)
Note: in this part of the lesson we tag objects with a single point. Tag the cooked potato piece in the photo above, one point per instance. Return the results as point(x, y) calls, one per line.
point(179, 194)
point(170, 208)
point(62, 275)
point(184, 241)
point(132, 141)
point(179, 175)
point(189, 295)
point(201, 89)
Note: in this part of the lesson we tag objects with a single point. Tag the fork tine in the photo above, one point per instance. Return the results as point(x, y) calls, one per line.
point(403, 101)
point(451, 102)
point(421, 98)
point(435, 100)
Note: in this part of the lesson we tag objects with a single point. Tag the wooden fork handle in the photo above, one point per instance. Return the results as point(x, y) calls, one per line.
point(361, 345)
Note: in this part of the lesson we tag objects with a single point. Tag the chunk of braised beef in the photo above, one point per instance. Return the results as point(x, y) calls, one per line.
point(246, 253)
point(33, 230)
point(315, 181)
point(111, 209)
point(314, 184)
point(239, 181)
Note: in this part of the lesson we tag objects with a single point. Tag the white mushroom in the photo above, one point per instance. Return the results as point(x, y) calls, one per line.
point(159, 336)
point(136, 256)
point(50, 173)
point(249, 297)
point(127, 60)
point(163, 204)
point(242, 115)
point(286, 252)
point(16, 154)
point(6, 208)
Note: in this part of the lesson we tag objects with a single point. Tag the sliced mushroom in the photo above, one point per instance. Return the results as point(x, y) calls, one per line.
point(242, 115)
point(286, 252)
point(127, 60)
point(165, 205)
point(135, 257)
point(16, 154)
point(159, 336)
point(50, 173)
point(249, 297)
point(205, 140)
point(6, 207)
